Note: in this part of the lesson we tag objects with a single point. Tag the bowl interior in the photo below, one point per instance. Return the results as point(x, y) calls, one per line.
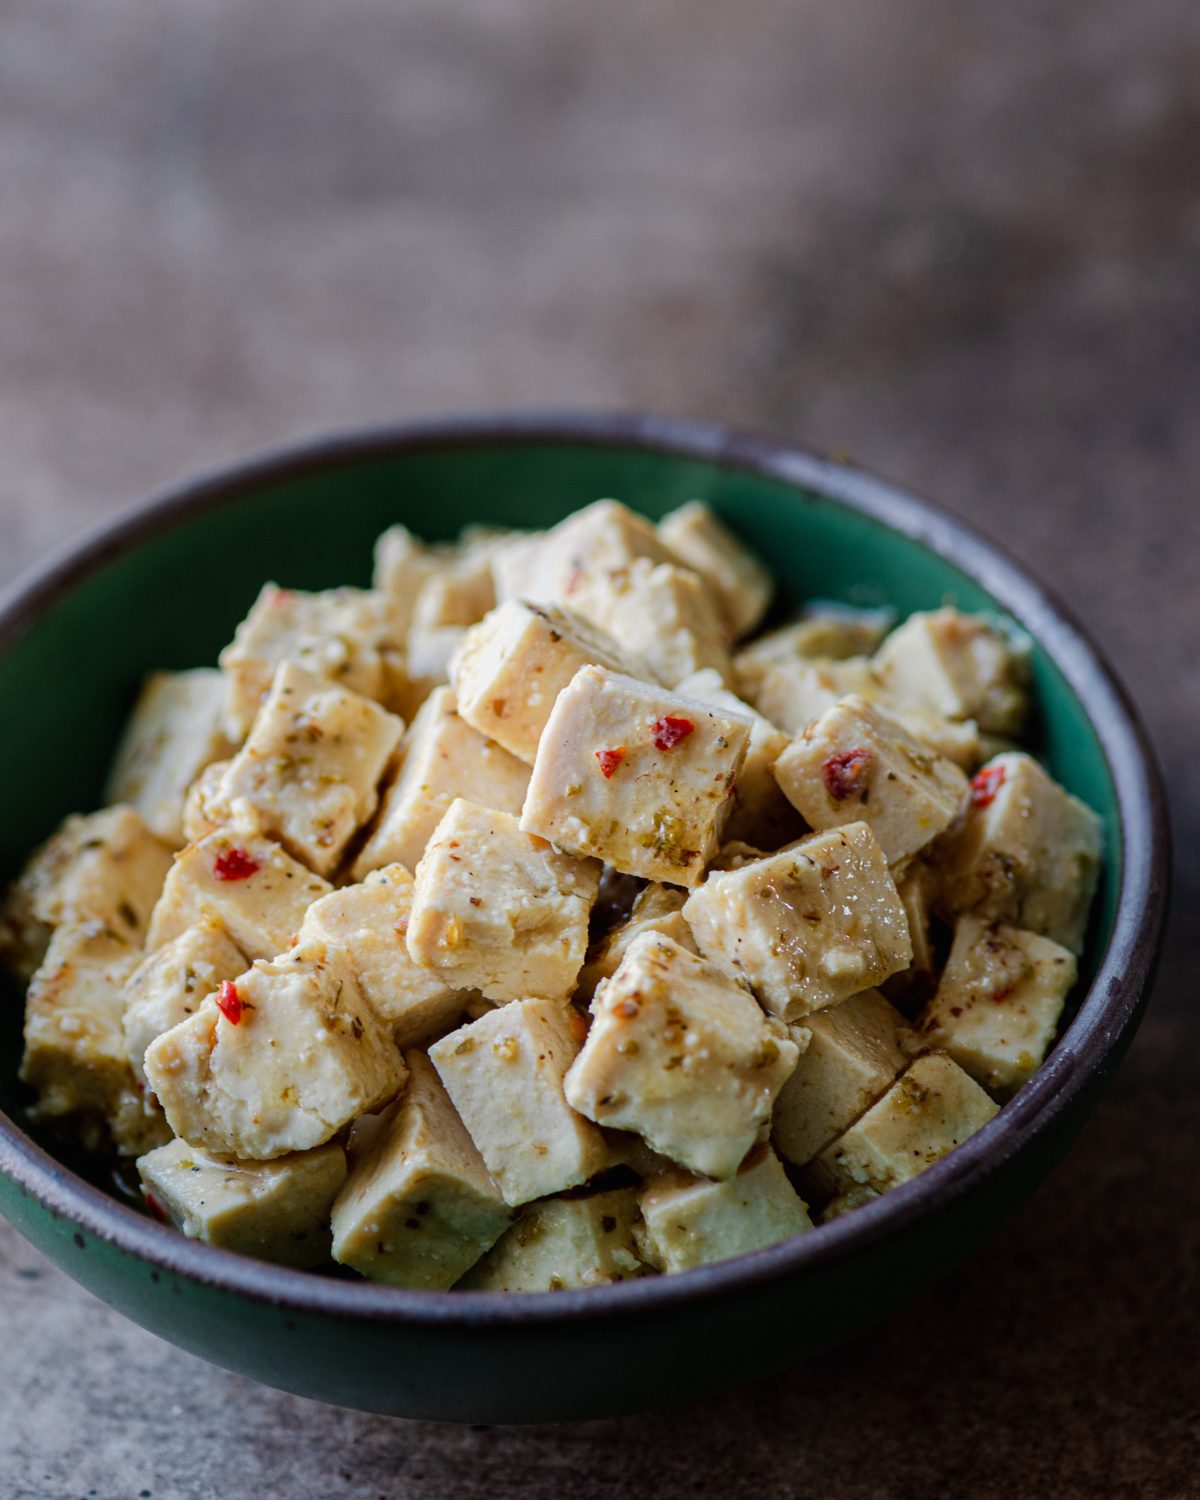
point(173, 600)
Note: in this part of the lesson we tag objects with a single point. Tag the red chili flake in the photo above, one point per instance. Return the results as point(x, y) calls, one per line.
point(229, 1002)
point(155, 1208)
point(1002, 995)
point(670, 731)
point(610, 760)
point(845, 773)
point(235, 864)
point(985, 786)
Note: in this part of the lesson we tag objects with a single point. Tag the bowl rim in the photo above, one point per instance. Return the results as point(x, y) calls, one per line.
point(1106, 1014)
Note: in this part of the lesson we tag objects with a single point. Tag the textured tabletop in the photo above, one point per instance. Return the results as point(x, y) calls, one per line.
point(961, 243)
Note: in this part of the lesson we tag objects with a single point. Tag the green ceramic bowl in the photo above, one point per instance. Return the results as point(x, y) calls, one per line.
point(165, 588)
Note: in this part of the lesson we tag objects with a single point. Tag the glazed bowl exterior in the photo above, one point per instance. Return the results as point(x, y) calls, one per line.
point(165, 586)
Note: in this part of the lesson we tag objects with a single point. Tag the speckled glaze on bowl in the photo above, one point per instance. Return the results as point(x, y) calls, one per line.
point(165, 586)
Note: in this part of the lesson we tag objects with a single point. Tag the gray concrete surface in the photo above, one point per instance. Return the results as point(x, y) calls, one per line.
point(961, 242)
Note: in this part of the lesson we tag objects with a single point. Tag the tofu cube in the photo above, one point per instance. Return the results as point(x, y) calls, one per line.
point(659, 908)
point(309, 773)
point(853, 1057)
point(551, 567)
point(512, 666)
point(737, 577)
point(931, 1108)
point(498, 910)
point(561, 1243)
point(505, 1073)
point(419, 1208)
point(916, 881)
point(637, 776)
point(202, 812)
point(855, 765)
point(999, 1002)
point(1027, 853)
point(170, 984)
point(174, 732)
point(459, 593)
point(794, 694)
point(689, 1221)
point(274, 1210)
point(247, 883)
point(441, 758)
point(293, 1055)
point(825, 632)
point(403, 564)
point(681, 1054)
point(959, 666)
point(369, 923)
point(811, 925)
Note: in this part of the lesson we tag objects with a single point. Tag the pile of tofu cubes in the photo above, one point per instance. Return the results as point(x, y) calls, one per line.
point(514, 924)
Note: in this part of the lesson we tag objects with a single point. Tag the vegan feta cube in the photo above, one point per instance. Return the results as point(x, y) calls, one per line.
point(855, 765)
point(959, 666)
point(560, 1243)
point(275, 1210)
point(999, 1002)
point(825, 632)
point(640, 777)
point(419, 1207)
point(737, 577)
point(793, 694)
point(403, 564)
point(550, 568)
point(202, 813)
point(811, 925)
point(505, 1073)
point(681, 1054)
point(659, 908)
point(459, 593)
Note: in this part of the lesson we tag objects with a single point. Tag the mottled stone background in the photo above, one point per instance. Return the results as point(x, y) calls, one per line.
point(961, 242)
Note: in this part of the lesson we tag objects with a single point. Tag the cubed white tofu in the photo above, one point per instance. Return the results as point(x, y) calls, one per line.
point(419, 1208)
point(809, 926)
point(1027, 853)
point(664, 614)
point(959, 666)
point(202, 813)
point(736, 575)
point(854, 1055)
point(854, 764)
point(999, 1002)
point(551, 567)
point(279, 1061)
point(505, 1074)
point(459, 593)
point(561, 1243)
point(256, 890)
point(825, 632)
point(274, 1210)
point(174, 732)
point(931, 1108)
point(915, 881)
point(441, 758)
point(369, 922)
point(638, 776)
point(690, 1221)
point(309, 773)
point(428, 654)
point(403, 564)
point(680, 1053)
point(170, 984)
point(793, 694)
point(338, 634)
point(659, 908)
point(512, 666)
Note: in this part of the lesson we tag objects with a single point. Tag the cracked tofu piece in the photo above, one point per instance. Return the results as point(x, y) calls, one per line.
point(309, 773)
point(931, 1108)
point(681, 1054)
point(689, 1221)
point(825, 633)
point(512, 666)
point(419, 1207)
point(498, 910)
point(855, 1053)
point(255, 889)
point(658, 908)
point(856, 765)
point(105, 867)
point(640, 777)
point(1027, 853)
point(173, 734)
point(274, 1210)
point(338, 634)
point(504, 1073)
point(561, 1243)
point(740, 581)
point(663, 614)
point(279, 1061)
point(999, 1003)
point(169, 984)
point(958, 666)
point(369, 923)
point(550, 567)
point(74, 1055)
point(809, 926)
point(441, 758)
point(403, 565)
